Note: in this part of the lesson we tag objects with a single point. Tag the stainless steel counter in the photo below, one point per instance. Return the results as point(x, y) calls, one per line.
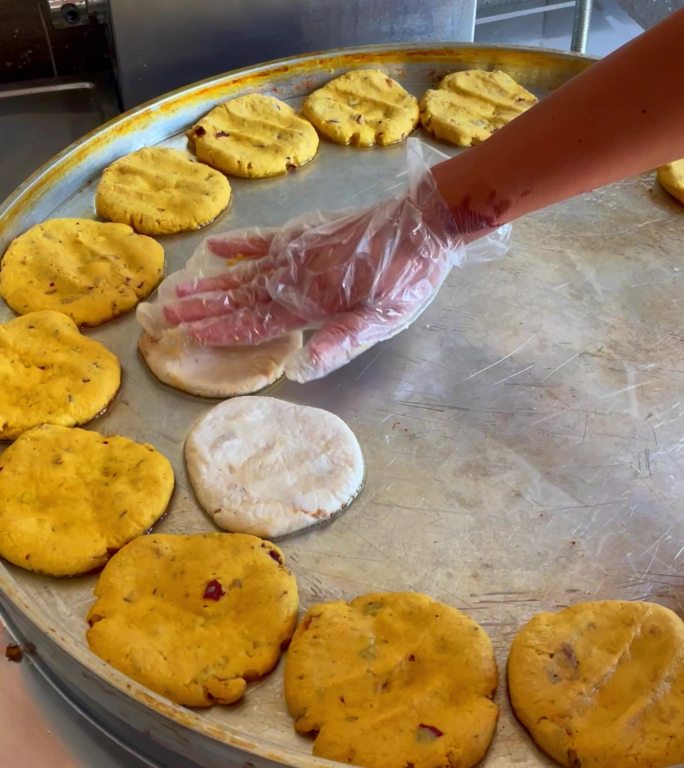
point(38, 727)
point(39, 119)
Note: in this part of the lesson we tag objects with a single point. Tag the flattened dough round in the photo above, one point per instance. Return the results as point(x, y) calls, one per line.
point(254, 136)
point(470, 105)
point(159, 191)
point(671, 178)
point(601, 684)
point(89, 270)
point(51, 374)
point(363, 107)
point(70, 498)
point(194, 618)
point(392, 679)
point(264, 466)
point(216, 371)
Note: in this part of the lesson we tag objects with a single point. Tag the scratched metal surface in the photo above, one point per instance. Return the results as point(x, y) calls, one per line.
point(524, 438)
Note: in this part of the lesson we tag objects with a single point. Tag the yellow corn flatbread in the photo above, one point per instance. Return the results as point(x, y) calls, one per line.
point(469, 106)
point(159, 191)
point(390, 680)
point(51, 374)
point(671, 178)
point(363, 107)
point(89, 270)
point(70, 498)
point(601, 684)
point(254, 136)
point(194, 618)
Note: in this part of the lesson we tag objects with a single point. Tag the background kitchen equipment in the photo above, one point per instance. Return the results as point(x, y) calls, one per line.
point(195, 40)
point(158, 45)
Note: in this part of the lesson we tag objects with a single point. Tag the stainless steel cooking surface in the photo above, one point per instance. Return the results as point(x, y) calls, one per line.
point(523, 438)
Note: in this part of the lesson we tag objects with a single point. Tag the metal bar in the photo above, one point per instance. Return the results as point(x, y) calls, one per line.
point(80, 86)
point(580, 26)
point(525, 12)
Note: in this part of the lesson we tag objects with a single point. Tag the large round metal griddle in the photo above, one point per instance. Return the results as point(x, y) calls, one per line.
point(524, 438)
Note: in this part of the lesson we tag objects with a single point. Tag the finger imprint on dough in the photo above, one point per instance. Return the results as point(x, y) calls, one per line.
point(89, 270)
point(362, 107)
point(392, 679)
point(196, 617)
point(52, 374)
point(159, 191)
point(469, 106)
point(254, 136)
point(601, 684)
point(70, 498)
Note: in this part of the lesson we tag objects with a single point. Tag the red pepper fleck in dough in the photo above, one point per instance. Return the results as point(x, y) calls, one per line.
point(436, 733)
point(213, 590)
point(275, 556)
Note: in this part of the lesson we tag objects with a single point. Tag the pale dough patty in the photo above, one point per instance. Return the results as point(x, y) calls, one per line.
point(253, 136)
point(601, 684)
point(70, 498)
point(194, 618)
point(216, 371)
point(392, 679)
point(264, 466)
point(671, 178)
point(363, 107)
point(88, 270)
point(159, 191)
point(469, 106)
point(52, 374)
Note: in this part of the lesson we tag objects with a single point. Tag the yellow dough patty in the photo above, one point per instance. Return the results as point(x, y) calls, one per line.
point(159, 191)
point(89, 270)
point(601, 684)
point(392, 679)
point(363, 107)
point(51, 374)
point(70, 498)
point(194, 618)
point(469, 106)
point(254, 136)
point(671, 178)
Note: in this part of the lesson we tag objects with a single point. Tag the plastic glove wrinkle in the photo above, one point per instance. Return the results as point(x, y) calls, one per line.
point(358, 277)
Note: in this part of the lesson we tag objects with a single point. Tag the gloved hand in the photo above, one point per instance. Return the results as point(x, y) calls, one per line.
point(358, 277)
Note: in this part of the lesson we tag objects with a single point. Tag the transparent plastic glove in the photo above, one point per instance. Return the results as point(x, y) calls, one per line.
point(358, 277)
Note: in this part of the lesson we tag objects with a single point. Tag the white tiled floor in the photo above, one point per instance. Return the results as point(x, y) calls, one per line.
point(610, 28)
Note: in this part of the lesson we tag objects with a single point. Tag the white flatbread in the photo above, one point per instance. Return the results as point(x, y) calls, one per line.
point(216, 371)
point(267, 467)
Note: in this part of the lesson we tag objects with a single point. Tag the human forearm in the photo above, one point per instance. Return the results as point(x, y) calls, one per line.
point(622, 116)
